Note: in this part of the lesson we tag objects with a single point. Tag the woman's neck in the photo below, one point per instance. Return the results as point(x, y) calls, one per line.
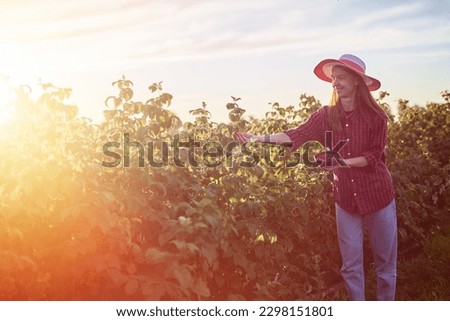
point(348, 103)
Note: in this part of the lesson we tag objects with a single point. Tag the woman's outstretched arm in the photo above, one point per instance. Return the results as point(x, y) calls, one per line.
point(280, 138)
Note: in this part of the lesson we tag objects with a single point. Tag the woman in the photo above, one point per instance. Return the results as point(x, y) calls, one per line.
point(363, 189)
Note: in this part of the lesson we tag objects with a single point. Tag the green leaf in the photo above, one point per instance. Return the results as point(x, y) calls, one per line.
point(180, 244)
point(131, 287)
point(156, 256)
point(155, 86)
point(183, 276)
point(117, 276)
point(126, 94)
point(158, 187)
point(201, 288)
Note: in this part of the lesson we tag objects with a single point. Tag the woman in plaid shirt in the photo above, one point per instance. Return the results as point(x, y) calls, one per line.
point(363, 189)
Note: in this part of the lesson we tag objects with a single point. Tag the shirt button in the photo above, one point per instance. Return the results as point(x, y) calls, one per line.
point(348, 154)
point(346, 125)
point(348, 139)
point(354, 194)
point(352, 180)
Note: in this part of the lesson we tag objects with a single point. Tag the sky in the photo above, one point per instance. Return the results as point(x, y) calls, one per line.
point(262, 51)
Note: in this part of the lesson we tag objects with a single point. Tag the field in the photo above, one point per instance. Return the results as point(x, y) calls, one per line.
point(144, 206)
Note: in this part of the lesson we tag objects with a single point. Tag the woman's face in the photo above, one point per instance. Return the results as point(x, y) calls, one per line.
point(344, 82)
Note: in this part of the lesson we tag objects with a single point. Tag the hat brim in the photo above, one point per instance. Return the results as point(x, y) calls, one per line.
point(324, 68)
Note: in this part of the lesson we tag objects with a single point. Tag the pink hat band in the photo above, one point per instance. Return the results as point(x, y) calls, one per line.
point(324, 68)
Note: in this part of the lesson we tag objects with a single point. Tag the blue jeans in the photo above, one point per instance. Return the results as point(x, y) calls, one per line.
point(382, 231)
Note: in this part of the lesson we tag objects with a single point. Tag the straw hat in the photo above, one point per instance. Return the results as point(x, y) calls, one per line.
point(324, 68)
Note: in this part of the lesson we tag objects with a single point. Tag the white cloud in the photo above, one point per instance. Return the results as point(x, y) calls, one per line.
point(135, 32)
point(43, 38)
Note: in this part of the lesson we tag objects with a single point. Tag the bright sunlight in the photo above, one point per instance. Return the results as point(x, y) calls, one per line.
point(6, 99)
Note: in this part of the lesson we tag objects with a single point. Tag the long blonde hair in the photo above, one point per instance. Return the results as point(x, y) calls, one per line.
point(363, 100)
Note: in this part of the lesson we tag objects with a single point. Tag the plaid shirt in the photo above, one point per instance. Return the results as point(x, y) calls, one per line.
point(361, 190)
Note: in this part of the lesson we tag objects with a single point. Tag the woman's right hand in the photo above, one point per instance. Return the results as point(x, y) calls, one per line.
point(243, 138)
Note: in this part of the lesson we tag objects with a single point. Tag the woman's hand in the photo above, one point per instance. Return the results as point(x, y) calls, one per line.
point(274, 139)
point(328, 161)
point(243, 138)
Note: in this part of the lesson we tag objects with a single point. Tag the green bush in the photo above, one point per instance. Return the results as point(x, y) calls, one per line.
point(75, 229)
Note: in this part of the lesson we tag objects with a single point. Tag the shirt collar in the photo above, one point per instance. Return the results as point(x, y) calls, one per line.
point(349, 115)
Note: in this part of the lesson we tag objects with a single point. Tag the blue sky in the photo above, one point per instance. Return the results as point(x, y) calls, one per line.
point(262, 51)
